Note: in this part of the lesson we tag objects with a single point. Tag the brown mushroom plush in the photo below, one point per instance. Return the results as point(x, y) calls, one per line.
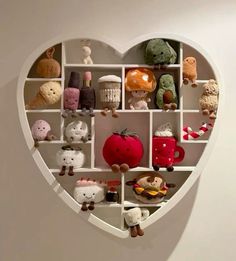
point(139, 82)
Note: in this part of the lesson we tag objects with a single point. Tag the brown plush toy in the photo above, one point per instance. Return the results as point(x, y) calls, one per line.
point(150, 187)
point(48, 67)
point(190, 71)
point(209, 99)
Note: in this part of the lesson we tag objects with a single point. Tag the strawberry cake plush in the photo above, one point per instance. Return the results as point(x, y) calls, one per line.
point(71, 95)
point(49, 93)
point(164, 148)
point(41, 130)
point(140, 82)
point(190, 71)
point(88, 192)
point(110, 92)
point(150, 187)
point(49, 67)
point(87, 96)
point(122, 151)
point(70, 158)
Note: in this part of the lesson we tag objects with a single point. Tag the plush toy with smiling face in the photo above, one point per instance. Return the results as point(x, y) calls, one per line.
point(209, 99)
point(89, 192)
point(159, 51)
point(49, 93)
point(166, 96)
point(69, 158)
point(41, 130)
point(149, 187)
point(140, 82)
point(77, 131)
point(71, 95)
point(190, 71)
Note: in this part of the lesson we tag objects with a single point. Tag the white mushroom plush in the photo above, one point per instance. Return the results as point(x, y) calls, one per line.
point(77, 131)
point(89, 192)
point(69, 158)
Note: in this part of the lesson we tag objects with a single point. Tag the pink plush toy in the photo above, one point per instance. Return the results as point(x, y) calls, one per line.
point(71, 96)
point(41, 130)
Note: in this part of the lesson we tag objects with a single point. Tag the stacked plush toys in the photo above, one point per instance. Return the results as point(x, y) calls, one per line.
point(140, 82)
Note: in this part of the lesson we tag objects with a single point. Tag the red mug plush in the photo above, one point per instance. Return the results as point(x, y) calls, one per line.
point(165, 149)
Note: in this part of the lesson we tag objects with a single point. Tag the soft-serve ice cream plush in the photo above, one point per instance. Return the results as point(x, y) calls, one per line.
point(49, 93)
point(70, 158)
point(77, 131)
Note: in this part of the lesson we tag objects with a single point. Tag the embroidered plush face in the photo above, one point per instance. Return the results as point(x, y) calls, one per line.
point(139, 94)
point(51, 92)
point(76, 130)
point(71, 98)
point(69, 158)
point(40, 130)
point(211, 88)
point(88, 193)
point(151, 181)
point(166, 81)
point(159, 51)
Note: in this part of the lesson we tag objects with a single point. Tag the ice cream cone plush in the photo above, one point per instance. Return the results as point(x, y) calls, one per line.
point(49, 93)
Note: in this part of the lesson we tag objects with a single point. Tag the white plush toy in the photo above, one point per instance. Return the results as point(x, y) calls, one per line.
point(69, 158)
point(133, 218)
point(77, 131)
point(86, 50)
point(89, 192)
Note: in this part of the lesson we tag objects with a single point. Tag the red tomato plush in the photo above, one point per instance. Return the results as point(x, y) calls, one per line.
point(123, 147)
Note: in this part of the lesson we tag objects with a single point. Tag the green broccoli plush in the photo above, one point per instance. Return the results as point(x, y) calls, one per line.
point(166, 97)
point(159, 51)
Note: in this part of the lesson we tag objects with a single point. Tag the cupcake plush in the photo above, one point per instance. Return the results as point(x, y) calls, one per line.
point(140, 82)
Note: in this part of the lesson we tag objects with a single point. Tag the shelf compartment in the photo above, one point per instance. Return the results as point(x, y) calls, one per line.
point(160, 118)
point(193, 152)
point(191, 96)
point(136, 53)
point(105, 126)
point(204, 69)
point(30, 91)
point(96, 74)
point(48, 152)
point(176, 177)
point(52, 118)
point(57, 56)
point(101, 53)
point(174, 71)
point(195, 120)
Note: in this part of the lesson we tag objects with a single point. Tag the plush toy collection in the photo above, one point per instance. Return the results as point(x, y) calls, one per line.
point(123, 150)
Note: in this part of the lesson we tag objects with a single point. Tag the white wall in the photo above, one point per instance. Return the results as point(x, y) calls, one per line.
point(34, 223)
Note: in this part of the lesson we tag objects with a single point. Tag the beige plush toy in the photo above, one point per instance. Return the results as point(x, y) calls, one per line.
point(209, 99)
point(86, 51)
point(190, 71)
point(49, 93)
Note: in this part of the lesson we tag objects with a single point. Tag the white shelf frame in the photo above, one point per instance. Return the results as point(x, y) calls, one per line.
point(47, 172)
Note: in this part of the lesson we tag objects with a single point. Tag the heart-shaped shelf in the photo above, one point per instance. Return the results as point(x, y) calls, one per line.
point(108, 61)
